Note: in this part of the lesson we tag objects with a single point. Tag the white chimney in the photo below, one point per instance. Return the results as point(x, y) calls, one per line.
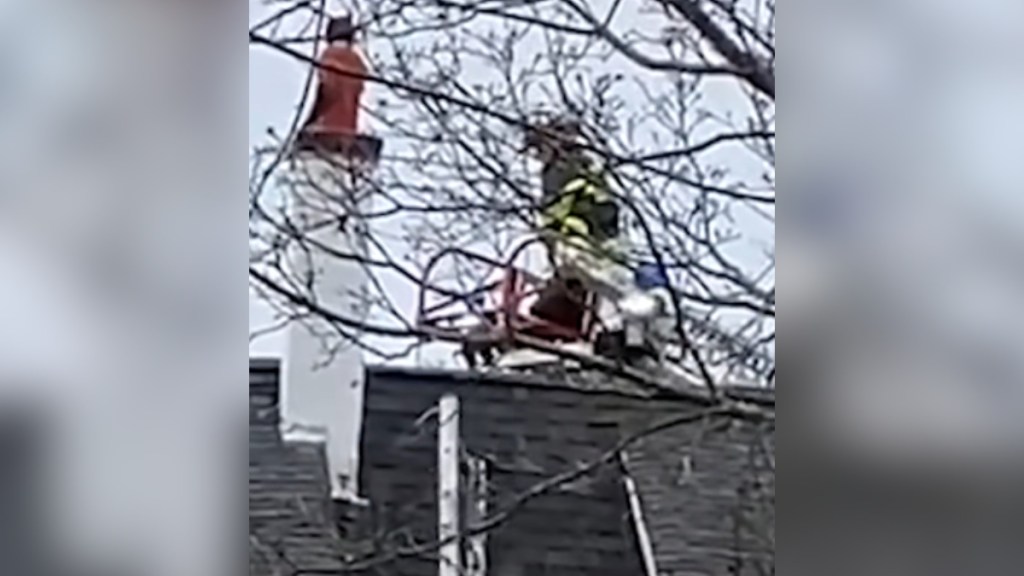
point(322, 372)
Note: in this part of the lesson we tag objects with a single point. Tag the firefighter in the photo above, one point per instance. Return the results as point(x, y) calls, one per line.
point(579, 213)
point(575, 200)
point(579, 217)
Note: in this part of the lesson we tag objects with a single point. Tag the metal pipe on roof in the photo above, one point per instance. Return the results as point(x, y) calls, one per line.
point(643, 536)
point(448, 506)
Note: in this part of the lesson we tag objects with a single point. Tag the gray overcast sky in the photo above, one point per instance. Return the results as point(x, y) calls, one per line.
point(275, 83)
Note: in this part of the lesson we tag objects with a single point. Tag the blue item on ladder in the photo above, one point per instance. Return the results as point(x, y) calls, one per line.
point(651, 276)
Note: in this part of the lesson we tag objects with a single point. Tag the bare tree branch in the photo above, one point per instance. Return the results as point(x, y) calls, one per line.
point(757, 72)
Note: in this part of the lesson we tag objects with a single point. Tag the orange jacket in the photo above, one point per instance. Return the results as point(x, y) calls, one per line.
point(336, 109)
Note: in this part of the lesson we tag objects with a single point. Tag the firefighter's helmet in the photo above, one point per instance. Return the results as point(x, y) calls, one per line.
point(558, 132)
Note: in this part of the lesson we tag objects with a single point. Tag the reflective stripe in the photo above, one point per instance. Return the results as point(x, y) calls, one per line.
point(574, 212)
point(600, 194)
point(559, 210)
point(588, 188)
point(576, 185)
point(575, 225)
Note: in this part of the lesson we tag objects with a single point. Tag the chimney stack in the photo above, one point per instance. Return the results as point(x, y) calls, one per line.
point(327, 180)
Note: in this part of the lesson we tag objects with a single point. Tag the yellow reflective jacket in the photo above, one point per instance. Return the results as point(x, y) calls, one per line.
point(585, 207)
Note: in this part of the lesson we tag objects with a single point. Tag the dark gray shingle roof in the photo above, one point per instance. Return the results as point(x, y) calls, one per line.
point(693, 481)
point(705, 497)
point(528, 431)
point(290, 518)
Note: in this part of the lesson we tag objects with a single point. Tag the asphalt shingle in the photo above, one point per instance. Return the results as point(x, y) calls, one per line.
point(528, 432)
point(708, 497)
point(291, 524)
point(705, 487)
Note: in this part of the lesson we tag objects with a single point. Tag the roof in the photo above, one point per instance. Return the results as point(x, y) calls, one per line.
point(555, 377)
point(290, 514)
point(534, 426)
point(708, 495)
point(693, 481)
point(527, 431)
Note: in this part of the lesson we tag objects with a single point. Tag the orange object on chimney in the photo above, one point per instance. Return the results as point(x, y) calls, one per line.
point(342, 73)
